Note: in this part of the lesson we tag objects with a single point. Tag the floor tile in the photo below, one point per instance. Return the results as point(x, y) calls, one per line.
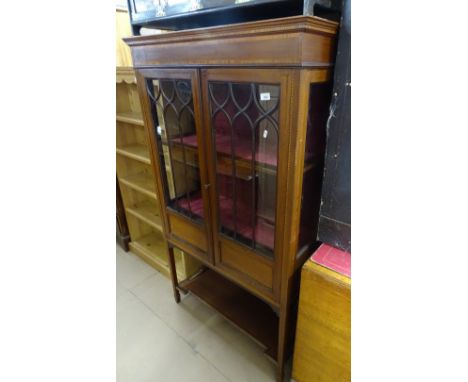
point(131, 270)
point(236, 355)
point(191, 369)
point(120, 289)
point(185, 318)
point(148, 350)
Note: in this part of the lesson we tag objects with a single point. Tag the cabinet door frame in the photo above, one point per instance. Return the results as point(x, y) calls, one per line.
point(283, 78)
point(185, 74)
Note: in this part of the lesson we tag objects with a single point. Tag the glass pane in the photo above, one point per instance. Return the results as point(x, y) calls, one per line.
point(245, 133)
point(173, 114)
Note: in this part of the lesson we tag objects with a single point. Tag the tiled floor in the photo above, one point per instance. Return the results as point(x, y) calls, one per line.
point(159, 340)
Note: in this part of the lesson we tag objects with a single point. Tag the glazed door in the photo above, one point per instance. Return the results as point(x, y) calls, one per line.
point(172, 101)
point(246, 120)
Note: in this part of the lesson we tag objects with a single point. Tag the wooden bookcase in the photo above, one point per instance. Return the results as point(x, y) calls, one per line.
point(236, 119)
point(137, 183)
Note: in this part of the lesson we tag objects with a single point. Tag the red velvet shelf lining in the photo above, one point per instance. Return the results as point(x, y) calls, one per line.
point(195, 205)
point(264, 232)
point(243, 149)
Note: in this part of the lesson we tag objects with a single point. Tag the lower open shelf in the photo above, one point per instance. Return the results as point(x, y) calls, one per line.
point(250, 314)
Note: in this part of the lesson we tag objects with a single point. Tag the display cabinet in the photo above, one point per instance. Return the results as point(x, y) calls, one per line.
point(237, 123)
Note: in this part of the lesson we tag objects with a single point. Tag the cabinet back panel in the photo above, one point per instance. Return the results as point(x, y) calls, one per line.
point(319, 100)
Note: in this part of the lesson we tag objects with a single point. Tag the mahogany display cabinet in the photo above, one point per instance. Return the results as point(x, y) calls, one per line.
point(237, 118)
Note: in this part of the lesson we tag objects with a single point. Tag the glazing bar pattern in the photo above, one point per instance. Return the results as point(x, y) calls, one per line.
point(244, 119)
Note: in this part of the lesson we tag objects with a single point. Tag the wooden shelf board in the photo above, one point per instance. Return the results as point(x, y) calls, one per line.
point(152, 249)
point(142, 182)
point(147, 212)
point(264, 163)
point(131, 117)
point(135, 151)
point(247, 312)
point(243, 149)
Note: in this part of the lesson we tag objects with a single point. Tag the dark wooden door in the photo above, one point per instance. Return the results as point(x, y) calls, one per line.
point(172, 101)
point(246, 119)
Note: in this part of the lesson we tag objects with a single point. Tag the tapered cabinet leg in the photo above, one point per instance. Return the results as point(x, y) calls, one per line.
point(287, 327)
point(172, 266)
point(281, 347)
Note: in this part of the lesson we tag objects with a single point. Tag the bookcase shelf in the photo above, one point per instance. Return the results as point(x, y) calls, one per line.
point(152, 249)
point(142, 182)
point(134, 118)
point(147, 212)
point(135, 151)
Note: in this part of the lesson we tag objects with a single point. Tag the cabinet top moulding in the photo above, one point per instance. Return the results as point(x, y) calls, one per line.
point(299, 41)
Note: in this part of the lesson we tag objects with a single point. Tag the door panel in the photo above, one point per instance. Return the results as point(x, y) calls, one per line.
point(245, 136)
point(241, 260)
point(245, 113)
point(174, 102)
point(181, 227)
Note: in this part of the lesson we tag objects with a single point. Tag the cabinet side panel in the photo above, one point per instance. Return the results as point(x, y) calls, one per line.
point(319, 101)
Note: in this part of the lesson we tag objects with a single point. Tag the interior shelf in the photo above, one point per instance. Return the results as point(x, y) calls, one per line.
point(135, 151)
point(249, 313)
point(264, 230)
point(190, 157)
point(265, 162)
point(195, 205)
point(243, 149)
point(131, 117)
point(147, 212)
point(142, 182)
